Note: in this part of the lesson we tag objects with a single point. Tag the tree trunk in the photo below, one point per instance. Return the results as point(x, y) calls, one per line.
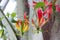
point(53, 29)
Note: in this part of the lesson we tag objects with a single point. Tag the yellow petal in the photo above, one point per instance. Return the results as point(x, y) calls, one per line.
point(25, 28)
point(17, 26)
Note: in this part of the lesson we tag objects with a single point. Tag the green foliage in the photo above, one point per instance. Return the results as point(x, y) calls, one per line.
point(1, 32)
point(54, 8)
point(4, 37)
point(1, 24)
point(1, 18)
point(39, 4)
point(13, 15)
point(12, 20)
point(22, 28)
point(7, 14)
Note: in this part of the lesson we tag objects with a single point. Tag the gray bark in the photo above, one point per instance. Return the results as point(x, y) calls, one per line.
point(55, 31)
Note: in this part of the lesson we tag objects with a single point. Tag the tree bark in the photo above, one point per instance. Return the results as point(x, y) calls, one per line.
point(53, 29)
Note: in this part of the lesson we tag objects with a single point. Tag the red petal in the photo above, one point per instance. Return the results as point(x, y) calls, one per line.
point(46, 2)
point(34, 3)
point(50, 4)
point(39, 14)
point(48, 12)
point(25, 15)
point(50, 9)
point(58, 8)
point(42, 21)
point(32, 21)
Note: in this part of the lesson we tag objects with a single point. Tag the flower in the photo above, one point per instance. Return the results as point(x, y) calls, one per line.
point(22, 25)
point(46, 2)
point(18, 24)
point(39, 15)
point(25, 15)
point(44, 13)
point(26, 22)
point(34, 3)
point(33, 23)
point(25, 28)
point(58, 8)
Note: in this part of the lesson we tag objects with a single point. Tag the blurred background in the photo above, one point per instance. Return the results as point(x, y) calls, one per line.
point(19, 7)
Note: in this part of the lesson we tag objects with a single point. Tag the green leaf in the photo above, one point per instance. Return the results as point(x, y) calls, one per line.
point(39, 4)
point(1, 32)
point(41, 30)
point(14, 21)
point(7, 14)
point(1, 22)
point(4, 37)
point(1, 18)
point(13, 15)
point(54, 8)
point(22, 31)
